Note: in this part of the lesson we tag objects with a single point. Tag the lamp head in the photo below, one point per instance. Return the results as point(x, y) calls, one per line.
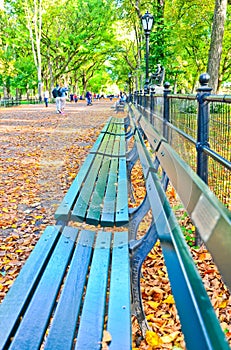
point(147, 22)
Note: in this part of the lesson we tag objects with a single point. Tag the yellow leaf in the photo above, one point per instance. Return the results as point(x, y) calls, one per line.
point(106, 340)
point(5, 210)
point(153, 339)
point(152, 256)
point(169, 300)
point(149, 317)
point(106, 337)
point(169, 338)
point(153, 304)
point(223, 304)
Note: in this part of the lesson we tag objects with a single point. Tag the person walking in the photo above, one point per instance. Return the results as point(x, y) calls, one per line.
point(55, 93)
point(63, 93)
point(46, 98)
point(89, 98)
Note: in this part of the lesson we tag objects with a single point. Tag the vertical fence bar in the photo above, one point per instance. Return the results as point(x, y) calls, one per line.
point(152, 106)
point(203, 127)
point(166, 113)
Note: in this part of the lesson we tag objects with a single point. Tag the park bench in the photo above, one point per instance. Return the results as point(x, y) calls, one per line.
point(98, 195)
point(119, 106)
point(79, 282)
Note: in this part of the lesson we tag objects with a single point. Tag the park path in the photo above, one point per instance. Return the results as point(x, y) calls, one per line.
point(40, 153)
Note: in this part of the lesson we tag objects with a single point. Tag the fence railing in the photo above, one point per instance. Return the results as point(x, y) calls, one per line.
point(10, 102)
point(198, 127)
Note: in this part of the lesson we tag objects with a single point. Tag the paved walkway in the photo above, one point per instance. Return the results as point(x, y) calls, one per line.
point(40, 154)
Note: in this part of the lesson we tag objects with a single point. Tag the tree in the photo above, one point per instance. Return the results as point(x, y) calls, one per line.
point(215, 51)
point(33, 14)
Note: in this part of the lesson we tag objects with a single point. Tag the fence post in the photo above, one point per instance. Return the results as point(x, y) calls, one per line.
point(152, 105)
point(166, 113)
point(203, 126)
point(140, 97)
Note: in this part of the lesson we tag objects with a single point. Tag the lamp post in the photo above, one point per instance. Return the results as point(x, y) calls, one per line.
point(147, 23)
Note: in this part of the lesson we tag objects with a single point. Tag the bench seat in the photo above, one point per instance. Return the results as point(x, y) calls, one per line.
point(98, 195)
point(64, 268)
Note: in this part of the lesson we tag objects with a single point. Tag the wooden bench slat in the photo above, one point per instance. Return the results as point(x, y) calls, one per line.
point(153, 136)
point(123, 146)
point(108, 210)
point(110, 147)
point(66, 315)
point(81, 205)
point(119, 316)
point(94, 212)
point(92, 318)
point(97, 143)
point(97, 202)
point(122, 195)
point(19, 294)
point(28, 337)
point(104, 144)
point(107, 125)
point(63, 211)
point(117, 120)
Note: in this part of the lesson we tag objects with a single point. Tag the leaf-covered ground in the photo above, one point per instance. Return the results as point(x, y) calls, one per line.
point(40, 154)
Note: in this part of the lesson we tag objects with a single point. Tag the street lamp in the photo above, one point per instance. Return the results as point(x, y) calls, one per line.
point(147, 23)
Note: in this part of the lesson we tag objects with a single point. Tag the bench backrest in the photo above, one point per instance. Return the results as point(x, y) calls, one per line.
point(199, 323)
point(208, 214)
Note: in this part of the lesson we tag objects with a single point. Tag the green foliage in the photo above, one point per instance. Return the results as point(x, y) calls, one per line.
point(84, 40)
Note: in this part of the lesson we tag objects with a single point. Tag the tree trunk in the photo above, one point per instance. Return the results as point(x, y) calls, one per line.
point(34, 25)
point(216, 43)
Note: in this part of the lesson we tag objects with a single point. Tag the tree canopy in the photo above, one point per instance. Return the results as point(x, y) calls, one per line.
point(97, 43)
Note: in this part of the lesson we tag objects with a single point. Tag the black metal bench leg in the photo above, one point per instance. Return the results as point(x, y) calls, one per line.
point(132, 157)
point(139, 250)
point(136, 215)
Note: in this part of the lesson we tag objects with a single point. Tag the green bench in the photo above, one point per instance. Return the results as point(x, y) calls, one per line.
point(78, 283)
point(45, 302)
point(119, 106)
point(98, 195)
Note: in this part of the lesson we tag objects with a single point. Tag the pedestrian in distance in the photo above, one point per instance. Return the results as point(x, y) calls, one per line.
point(89, 98)
point(63, 95)
point(46, 98)
point(59, 93)
point(71, 97)
point(56, 96)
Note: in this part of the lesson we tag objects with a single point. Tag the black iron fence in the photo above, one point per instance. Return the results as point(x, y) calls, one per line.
point(198, 128)
point(10, 102)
